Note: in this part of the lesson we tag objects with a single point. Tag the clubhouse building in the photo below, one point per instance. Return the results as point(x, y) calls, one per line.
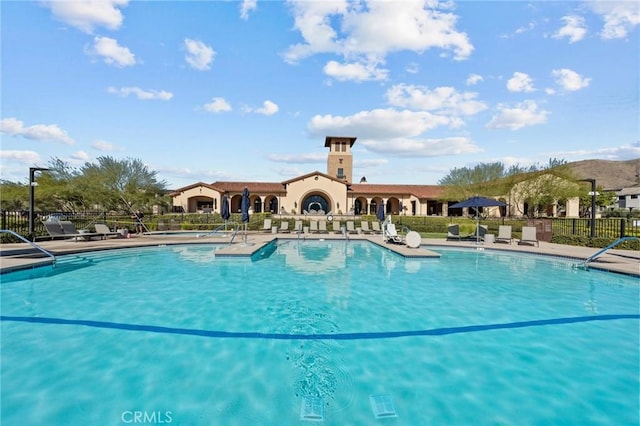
point(319, 193)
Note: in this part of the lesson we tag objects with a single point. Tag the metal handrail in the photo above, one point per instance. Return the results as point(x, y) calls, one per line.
point(235, 232)
point(345, 233)
point(31, 243)
point(610, 246)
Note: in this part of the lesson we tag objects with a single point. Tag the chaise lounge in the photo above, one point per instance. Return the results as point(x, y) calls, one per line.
point(67, 229)
point(529, 236)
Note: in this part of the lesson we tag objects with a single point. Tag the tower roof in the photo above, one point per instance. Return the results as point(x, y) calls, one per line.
point(328, 139)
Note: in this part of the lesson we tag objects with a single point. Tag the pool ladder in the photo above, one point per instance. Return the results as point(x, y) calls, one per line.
point(604, 250)
point(31, 243)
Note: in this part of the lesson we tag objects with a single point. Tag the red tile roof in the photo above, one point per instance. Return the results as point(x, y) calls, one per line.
point(271, 187)
point(420, 191)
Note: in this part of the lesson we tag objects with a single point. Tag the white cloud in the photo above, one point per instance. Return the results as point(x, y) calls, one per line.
point(40, 132)
point(412, 68)
point(368, 163)
point(520, 82)
point(199, 56)
point(22, 157)
point(355, 71)
point(141, 94)
point(403, 147)
point(268, 108)
point(365, 32)
point(315, 157)
point(101, 145)
point(377, 124)
point(86, 15)
point(218, 105)
point(442, 99)
point(474, 79)
point(620, 17)
point(530, 26)
point(80, 157)
point(111, 52)
point(246, 6)
point(616, 153)
point(521, 115)
point(574, 29)
point(570, 80)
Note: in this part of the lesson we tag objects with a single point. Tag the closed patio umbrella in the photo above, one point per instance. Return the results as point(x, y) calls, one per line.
point(224, 210)
point(244, 208)
point(477, 202)
point(380, 212)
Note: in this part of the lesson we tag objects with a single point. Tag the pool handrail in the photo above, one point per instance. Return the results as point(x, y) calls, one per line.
point(31, 243)
point(604, 250)
point(220, 227)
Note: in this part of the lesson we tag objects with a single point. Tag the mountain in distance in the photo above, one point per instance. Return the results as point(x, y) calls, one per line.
point(610, 175)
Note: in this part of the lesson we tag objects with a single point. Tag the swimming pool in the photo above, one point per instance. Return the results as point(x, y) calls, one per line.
point(343, 333)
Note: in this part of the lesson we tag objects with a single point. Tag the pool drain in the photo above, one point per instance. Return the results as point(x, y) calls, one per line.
point(312, 409)
point(382, 406)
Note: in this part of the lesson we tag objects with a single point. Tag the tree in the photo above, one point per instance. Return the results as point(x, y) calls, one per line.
point(462, 183)
point(603, 199)
point(109, 184)
point(15, 196)
point(121, 184)
point(536, 186)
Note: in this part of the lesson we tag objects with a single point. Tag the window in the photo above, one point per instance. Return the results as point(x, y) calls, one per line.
point(340, 173)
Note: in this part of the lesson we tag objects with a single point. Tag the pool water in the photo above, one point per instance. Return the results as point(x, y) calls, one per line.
point(318, 331)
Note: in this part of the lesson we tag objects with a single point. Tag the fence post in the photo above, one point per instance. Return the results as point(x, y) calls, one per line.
point(623, 223)
point(4, 219)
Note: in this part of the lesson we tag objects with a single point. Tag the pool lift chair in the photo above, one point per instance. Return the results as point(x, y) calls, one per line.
point(391, 234)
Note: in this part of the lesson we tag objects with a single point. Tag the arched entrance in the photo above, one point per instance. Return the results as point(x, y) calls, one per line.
point(316, 204)
point(271, 204)
point(360, 206)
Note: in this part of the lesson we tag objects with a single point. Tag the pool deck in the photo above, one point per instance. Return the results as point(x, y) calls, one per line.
point(20, 256)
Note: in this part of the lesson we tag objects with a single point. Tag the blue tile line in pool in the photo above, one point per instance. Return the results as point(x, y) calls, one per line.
point(336, 336)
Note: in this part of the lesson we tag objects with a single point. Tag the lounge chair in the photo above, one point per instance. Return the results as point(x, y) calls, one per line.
point(351, 227)
point(375, 227)
point(322, 227)
point(284, 227)
point(266, 226)
point(313, 226)
point(297, 228)
point(66, 229)
point(337, 227)
point(162, 226)
point(529, 236)
point(104, 231)
point(504, 234)
point(364, 225)
point(453, 232)
point(480, 232)
point(391, 234)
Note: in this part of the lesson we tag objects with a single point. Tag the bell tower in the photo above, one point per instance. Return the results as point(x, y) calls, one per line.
point(340, 158)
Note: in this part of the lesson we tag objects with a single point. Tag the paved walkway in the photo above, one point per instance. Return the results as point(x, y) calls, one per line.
point(17, 256)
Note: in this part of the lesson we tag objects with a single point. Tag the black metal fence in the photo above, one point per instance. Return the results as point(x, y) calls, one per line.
point(18, 221)
point(604, 228)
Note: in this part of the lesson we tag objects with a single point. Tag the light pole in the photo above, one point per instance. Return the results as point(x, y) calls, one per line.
point(32, 184)
point(593, 205)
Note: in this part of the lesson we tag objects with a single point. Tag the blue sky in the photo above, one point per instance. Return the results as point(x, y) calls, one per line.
point(248, 91)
